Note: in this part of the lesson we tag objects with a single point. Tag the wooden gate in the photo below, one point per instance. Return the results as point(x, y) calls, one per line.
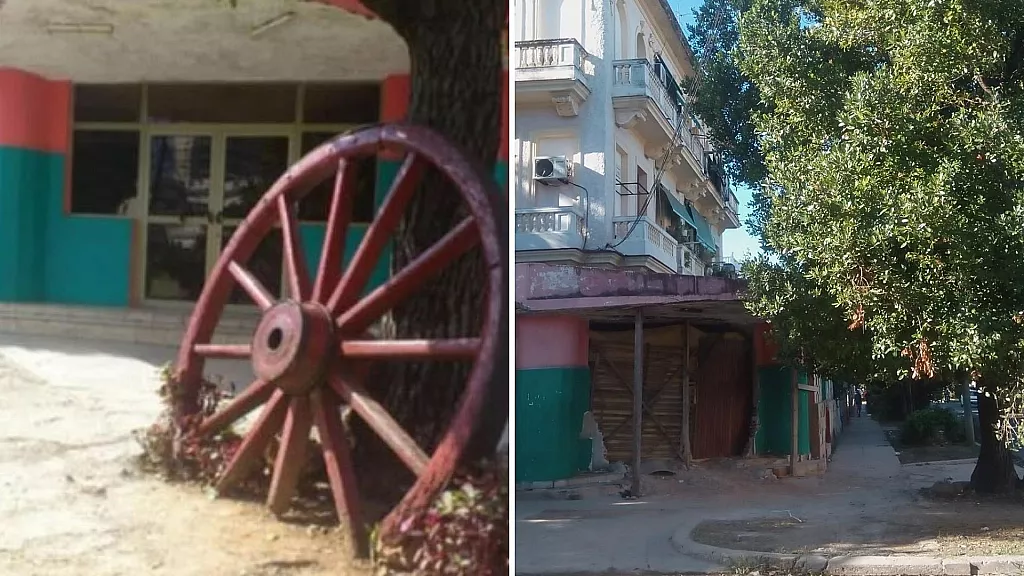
point(723, 396)
point(612, 399)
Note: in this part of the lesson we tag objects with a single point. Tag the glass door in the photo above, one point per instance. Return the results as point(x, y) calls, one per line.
point(252, 163)
point(178, 216)
point(201, 187)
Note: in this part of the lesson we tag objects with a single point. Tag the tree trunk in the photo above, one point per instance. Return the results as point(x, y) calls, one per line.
point(994, 473)
point(456, 66)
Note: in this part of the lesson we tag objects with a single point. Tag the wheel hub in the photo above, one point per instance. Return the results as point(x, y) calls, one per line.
point(291, 345)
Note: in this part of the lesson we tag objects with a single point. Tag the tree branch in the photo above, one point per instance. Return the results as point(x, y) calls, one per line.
point(1015, 58)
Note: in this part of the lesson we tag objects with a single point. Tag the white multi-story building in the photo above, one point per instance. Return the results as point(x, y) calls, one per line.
point(611, 166)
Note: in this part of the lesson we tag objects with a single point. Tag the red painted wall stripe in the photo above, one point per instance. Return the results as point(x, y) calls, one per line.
point(34, 112)
point(551, 342)
point(394, 103)
point(353, 6)
point(765, 348)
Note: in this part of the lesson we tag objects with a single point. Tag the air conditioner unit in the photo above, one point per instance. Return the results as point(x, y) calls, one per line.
point(551, 170)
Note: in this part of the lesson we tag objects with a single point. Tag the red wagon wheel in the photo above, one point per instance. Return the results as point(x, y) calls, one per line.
point(309, 351)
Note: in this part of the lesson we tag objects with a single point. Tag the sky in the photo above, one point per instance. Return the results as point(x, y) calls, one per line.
point(736, 243)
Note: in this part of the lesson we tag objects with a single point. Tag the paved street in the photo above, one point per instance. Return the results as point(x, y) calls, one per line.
point(865, 480)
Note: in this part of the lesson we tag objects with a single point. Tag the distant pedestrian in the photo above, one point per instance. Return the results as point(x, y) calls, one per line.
point(858, 399)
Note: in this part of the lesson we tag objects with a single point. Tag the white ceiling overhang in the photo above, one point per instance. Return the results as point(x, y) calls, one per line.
point(196, 41)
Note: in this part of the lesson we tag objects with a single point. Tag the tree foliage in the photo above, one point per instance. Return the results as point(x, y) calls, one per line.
point(892, 208)
point(726, 99)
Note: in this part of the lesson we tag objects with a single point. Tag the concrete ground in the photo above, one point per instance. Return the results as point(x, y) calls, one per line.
point(72, 501)
point(865, 483)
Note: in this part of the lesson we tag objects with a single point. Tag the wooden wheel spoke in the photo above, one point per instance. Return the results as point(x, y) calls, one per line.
point(251, 449)
point(255, 394)
point(340, 470)
point(291, 455)
point(294, 255)
point(368, 253)
point(338, 220)
point(252, 286)
point(223, 351)
point(440, 349)
point(383, 424)
point(400, 286)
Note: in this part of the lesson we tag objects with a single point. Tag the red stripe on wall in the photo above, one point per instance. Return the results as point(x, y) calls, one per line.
point(34, 112)
point(353, 6)
point(551, 342)
point(395, 91)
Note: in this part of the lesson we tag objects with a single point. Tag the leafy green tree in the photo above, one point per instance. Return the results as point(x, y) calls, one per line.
point(891, 133)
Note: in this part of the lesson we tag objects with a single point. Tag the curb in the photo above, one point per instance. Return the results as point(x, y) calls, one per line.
point(901, 565)
point(943, 462)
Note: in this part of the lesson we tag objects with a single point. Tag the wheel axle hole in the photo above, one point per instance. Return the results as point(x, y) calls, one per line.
point(275, 338)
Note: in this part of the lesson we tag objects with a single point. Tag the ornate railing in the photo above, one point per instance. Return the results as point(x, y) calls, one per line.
point(636, 77)
point(646, 239)
point(548, 53)
point(555, 219)
point(688, 262)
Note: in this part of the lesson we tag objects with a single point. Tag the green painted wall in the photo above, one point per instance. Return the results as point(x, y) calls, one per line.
point(48, 256)
point(550, 403)
point(312, 238)
point(775, 411)
point(23, 181)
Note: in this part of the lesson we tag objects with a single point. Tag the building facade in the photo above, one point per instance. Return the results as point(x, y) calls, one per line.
point(605, 87)
point(613, 172)
point(137, 135)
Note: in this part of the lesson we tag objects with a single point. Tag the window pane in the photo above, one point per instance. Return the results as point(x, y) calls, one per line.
point(226, 103)
point(179, 175)
point(104, 171)
point(252, 164)
point(175, 261)
point(265, 264)
point(108, 103)
point(314, 207)
point(341, 104)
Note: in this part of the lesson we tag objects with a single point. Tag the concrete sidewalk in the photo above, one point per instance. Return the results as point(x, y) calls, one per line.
point(865, 480)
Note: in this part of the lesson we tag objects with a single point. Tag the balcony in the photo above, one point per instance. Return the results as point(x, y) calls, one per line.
point(719, 199)
point(549, 228)
point(643, 103)
point(646, 239)
point(552, 71)
point(687, 261)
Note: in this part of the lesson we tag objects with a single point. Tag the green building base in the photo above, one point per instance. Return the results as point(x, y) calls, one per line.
point(550, 403)
point(774, 410)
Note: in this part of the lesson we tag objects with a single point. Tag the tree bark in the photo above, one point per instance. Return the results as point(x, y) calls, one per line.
point(994, 473)
point(456, 67)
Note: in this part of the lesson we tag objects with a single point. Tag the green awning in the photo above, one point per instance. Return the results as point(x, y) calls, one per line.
point(678, 207)
point(704, 235)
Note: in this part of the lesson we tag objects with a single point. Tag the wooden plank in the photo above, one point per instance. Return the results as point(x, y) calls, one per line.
point(613, 396)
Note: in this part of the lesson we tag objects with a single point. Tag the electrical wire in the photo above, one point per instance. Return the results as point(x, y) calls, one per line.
point(586, 214)
point(641, 212)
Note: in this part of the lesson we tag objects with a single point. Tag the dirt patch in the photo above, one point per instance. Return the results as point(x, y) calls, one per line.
point(953, 529)
point(74, 505)
point(918, 454)
point(716, 476)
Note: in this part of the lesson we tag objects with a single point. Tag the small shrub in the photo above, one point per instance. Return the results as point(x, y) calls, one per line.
point(931, 426)
point(171, 450)
point(464, 533)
